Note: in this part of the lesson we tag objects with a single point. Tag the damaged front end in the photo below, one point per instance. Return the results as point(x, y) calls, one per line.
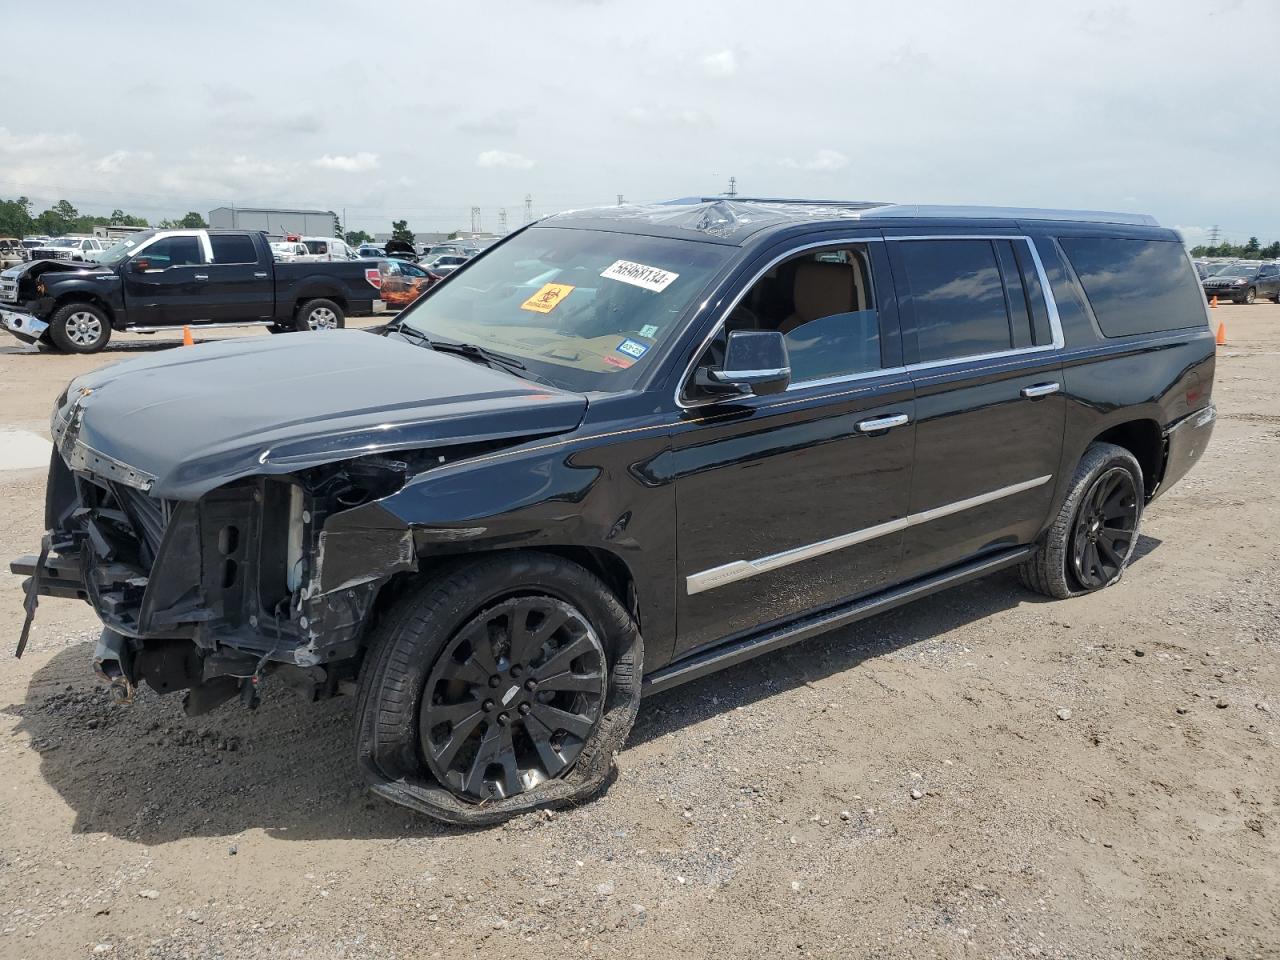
point(212, 596)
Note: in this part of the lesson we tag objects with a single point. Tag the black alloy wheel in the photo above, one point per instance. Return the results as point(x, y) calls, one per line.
point(1105, 529)
point(513, 698)
point(1251, 296)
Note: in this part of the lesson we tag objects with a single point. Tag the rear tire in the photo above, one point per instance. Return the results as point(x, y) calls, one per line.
point(461, 720)
point(1251, 296)
point(1089, 544)
point(320, 315)
point(79, 328)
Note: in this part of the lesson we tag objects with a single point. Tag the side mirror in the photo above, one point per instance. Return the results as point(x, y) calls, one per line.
point(754, 360)
point(141, 266)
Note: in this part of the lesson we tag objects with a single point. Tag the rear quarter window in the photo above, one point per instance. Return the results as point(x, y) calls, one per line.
point(1136, 286)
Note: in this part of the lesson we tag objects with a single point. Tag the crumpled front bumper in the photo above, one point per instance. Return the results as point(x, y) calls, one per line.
point(25, 326)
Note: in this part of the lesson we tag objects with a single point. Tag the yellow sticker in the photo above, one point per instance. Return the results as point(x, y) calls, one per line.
point(548, 298)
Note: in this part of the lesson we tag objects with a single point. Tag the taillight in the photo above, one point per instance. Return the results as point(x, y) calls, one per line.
point(374, 276)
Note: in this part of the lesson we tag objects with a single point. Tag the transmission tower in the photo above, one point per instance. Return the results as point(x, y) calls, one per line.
point(620, 200)
point(475, 219)
point(502, 221)
point(1213, 235)
point(528, 208)
point(733, 187)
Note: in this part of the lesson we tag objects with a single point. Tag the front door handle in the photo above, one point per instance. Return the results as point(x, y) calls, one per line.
point(261, 276)
point(1040, 390)
point(876, 424)
point(202, 276)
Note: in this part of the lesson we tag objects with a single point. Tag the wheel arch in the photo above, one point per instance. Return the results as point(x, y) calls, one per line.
point(1144, 438)
point(84, 296)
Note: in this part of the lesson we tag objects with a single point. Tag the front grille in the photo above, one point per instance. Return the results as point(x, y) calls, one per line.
point(9, 291)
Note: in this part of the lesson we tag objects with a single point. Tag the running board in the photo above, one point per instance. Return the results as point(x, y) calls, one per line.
point(700, 664)
point(197, 325)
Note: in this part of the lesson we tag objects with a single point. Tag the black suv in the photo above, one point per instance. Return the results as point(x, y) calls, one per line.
point(1243, 282)
point(619, 450)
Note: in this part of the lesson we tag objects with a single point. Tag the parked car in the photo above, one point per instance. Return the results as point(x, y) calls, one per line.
point(288, 251)
point(168, 278)
point(1244, 282)
point(32, 242)
point(12, 252)
point(68, 248)
point(628, 452)
point(404, 282)
point(445, 264)
point(401, 250)
point(326, 249)
point(369, 251)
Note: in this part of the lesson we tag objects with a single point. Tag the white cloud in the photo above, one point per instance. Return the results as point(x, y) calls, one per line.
point(39, 144)
point(824, 161)
point(117, 160)
point(502, 160)
point(723, 63)
point(1193, 236)
point(361, 162)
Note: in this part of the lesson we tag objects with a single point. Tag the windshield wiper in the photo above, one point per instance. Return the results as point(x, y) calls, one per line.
point(490, 358)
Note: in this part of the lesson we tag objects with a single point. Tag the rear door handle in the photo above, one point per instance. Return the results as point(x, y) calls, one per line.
point(883, 423)
point(1040, 390)
point(262, 276)
point(202, 276)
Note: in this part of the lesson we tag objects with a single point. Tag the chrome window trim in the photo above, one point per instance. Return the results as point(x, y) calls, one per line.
point(1051, 305)
point(736, 570)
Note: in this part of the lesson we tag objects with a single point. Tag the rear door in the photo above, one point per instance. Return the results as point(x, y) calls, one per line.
point(240, 285)
point(165, 282)
point(982, 342)
point(1269, 281)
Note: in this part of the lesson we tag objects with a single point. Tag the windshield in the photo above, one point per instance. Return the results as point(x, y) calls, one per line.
point(63, 242)
point(582, 308)
point(1236, 270)
point(121, 248)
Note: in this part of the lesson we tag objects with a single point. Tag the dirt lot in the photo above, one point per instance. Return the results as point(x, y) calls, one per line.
point(904, 788)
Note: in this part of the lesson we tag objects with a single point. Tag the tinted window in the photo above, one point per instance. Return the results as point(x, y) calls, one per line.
point(173, 252)
point(1137, 286)
point(233, 248)
point(957, 297)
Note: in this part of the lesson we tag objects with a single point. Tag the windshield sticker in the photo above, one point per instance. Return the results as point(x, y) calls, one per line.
point(638, 275)
point(548, 298)
point(632, 348)
point(649, 330)
point(622, 362)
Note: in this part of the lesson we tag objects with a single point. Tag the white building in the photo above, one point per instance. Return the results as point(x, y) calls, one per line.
point(276, 222)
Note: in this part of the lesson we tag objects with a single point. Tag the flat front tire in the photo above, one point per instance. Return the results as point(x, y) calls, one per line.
point(496, 687)
point(1093, 537)
point(79, 328)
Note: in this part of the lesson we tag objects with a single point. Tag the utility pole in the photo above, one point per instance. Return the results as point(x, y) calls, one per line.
point(502, 221)
point(528, 208)
point(475, 219)
point(733, 187)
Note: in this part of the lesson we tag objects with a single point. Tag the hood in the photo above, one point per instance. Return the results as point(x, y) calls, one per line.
point(33, 268)
point(194, 418)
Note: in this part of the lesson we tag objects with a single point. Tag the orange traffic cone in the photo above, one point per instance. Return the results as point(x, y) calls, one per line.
point(1213, 302)
point(1222, 334)
point(187, 341)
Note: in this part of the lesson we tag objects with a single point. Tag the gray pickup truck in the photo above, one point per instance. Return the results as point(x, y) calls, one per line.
point(162, 279)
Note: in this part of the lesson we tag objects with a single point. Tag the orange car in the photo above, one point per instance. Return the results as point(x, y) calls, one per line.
point(404, 282)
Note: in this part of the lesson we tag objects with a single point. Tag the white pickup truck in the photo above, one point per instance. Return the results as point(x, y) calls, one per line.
point(69, 248)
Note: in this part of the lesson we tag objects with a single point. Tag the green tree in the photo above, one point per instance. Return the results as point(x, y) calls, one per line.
point(356, 237)
point(192, 221)
point(1252, 248)
point(400, 231)
point(15, 217)
point(58, 219)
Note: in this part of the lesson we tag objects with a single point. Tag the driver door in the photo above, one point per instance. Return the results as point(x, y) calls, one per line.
point(167, 283)
point(792, 502)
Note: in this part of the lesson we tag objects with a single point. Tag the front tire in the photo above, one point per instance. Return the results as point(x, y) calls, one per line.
point(497, 687)
point(1251, 296)
point(79, 328)
point(1093, 537)
point(320, 315)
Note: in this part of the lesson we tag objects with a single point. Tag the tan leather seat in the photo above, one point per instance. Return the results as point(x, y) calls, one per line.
point(821, 289)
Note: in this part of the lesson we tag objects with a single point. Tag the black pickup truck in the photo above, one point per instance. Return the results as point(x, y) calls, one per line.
point(167, 278)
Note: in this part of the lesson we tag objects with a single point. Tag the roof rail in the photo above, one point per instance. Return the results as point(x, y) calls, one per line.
point(798, 201)
point(925, 211)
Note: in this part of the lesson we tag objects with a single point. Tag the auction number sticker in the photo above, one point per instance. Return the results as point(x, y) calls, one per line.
point(548, 298)
point(639, 275)
point(632, 348)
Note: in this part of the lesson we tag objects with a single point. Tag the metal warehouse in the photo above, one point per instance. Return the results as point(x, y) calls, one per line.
point(276, 222)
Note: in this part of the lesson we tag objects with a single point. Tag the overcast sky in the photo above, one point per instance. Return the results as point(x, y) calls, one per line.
point(423, 111)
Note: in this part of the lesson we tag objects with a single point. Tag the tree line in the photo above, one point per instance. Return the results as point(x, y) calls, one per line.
point(19, 219)
point(1253, 250)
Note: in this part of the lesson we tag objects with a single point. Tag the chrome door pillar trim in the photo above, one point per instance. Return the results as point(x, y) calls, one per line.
point(742, 569)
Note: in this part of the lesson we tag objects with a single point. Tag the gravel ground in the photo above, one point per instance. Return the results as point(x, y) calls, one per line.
point(982, 774)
